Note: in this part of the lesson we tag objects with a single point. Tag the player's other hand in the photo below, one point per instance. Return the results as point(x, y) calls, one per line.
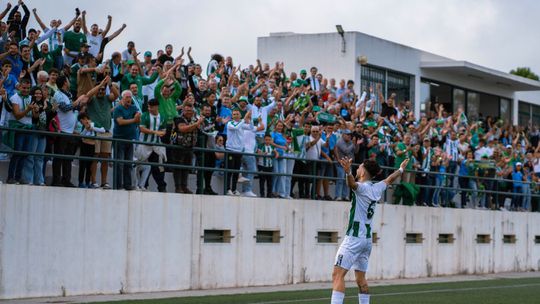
point(404, 163)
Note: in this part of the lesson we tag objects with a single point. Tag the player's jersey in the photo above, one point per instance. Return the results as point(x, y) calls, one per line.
point(364, 201)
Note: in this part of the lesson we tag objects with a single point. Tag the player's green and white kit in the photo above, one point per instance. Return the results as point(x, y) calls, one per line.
point(356, 246)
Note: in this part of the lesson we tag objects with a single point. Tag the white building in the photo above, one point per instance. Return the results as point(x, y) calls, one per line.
point(413, 74)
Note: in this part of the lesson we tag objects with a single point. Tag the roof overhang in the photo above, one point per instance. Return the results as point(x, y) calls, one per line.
point(469, 70)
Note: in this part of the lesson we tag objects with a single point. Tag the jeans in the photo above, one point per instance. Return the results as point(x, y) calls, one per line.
point(527, 197)
point(474, 186)
point(288, 179)
point(517, 199)
point(123, 151)
point(278, 182)
point(145, 173)
point(342, 190)
point(249, 163)
point(33, 166)
point(464, 184)
point(23, 142)
point(440, 193)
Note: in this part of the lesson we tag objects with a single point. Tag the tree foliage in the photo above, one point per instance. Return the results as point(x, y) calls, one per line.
point(524, 72)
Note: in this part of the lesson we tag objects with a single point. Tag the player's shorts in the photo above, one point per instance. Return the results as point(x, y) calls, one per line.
point(103, 146)
point(353, 253)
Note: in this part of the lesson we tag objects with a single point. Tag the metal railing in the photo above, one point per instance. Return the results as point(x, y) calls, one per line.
point(202, 168)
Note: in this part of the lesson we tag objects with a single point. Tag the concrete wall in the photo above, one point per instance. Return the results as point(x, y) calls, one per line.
point(56, 241)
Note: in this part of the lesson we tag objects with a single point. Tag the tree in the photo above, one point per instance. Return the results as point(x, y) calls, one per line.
point(525, 72)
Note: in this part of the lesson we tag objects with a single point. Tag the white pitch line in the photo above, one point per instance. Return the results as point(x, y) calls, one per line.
point(403, 293)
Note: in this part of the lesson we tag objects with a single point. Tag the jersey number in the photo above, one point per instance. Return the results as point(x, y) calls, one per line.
point(370, 213)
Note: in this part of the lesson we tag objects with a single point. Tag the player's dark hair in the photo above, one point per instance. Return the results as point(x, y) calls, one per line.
point(372, 168)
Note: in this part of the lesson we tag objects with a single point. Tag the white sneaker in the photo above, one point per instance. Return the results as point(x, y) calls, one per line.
point(229, 192)
point(249, 194)
point(242, 180)
point(236, 192)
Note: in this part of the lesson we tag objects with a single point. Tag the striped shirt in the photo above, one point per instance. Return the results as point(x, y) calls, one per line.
point(451, 148)
point(266, 161)
point(363, 203)
point(151, 122)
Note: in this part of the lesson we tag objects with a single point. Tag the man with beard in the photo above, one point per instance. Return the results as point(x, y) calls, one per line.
point(73, 41)
point(17, 23)
point(207, 137)
point(99, 110)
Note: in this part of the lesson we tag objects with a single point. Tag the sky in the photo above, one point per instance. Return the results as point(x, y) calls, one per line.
point(494, 33)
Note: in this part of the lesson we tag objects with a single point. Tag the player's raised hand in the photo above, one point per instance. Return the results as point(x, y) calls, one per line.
point(346, 163)
point(404, 163)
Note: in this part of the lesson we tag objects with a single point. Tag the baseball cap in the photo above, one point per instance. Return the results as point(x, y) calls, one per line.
point(508, 146)
point(519, 164)
point(347, 131)
point(303, 71)
point(147, 54)
point(243, 98)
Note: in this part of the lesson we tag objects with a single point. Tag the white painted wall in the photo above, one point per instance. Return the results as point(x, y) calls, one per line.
point(56, 240)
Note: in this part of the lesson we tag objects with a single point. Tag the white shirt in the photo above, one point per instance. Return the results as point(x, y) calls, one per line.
point(6, 116)
point(235, 135)
point(126, 55)
point(68, 119)
point(364, 200)
point(94, 42)
point(250, 144)
point(314, 152)
point(481, 152)
point(261, 113)
point(17, 99)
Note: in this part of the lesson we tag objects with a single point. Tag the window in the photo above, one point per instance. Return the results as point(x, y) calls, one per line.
point(509, 239)
point(327, 237)
point(425, 97)
point(473, 105)
point(267, 236)
point(446, 238)
point(506, 109)
point(537, 239)
point(459, 99)
point(414, 238)
point(524, 113)
point(528, 113)
point(483, 239)
point(391, 82)
point(217, 236)
point(399, 84)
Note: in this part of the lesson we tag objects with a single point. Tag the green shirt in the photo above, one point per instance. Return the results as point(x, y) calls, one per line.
point(399, 159)
point(139, 80)
point(99, 111)
point(49, 57)
point(167, 106)
point(73, 41)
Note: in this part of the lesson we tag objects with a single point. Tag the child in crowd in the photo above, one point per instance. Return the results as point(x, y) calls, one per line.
point(265, 165)
point(87, 149)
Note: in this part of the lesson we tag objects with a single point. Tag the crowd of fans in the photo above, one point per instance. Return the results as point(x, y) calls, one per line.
point(56, 79)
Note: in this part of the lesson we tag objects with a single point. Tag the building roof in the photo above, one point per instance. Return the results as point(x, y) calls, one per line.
point(467, 69)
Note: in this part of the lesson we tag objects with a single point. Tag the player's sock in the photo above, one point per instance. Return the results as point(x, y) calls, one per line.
point(363, 298)
point(337, 297)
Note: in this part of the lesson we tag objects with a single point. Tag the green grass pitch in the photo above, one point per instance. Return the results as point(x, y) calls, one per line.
point(496, 291)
